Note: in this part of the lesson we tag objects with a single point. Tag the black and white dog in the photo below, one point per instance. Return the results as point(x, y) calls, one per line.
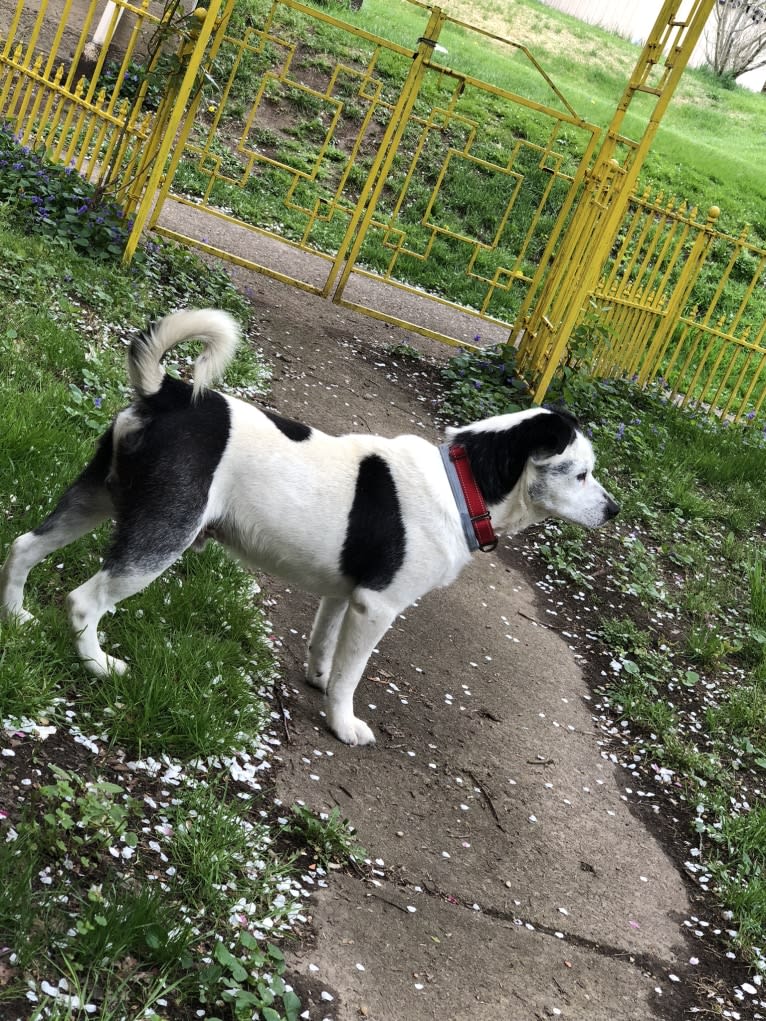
point(369, 524)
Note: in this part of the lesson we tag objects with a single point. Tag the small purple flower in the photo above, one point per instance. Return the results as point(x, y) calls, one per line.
point(620, 431)
point(97, 401)
point(83, 209)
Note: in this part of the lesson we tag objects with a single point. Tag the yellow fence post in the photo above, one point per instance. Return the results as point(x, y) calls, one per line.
point(376, 179)
point(583, 252)
point(165, 129)
point(680, 295)
point(185, 130)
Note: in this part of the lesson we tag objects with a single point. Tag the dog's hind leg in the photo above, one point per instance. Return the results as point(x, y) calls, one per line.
point(144, 545)
point(82, 507)
point(125, 573)
point(324, 638)
point(365, 622)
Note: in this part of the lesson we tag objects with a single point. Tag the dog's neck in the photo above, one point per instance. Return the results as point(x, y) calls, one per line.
point(515, 513)
point(496, 465)
point(501, 477)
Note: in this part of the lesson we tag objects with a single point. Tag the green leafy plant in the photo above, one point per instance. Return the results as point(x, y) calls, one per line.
point(82, 813)
point(484, 383)
point(54, 200)
point(330, 838)
point(249, 978)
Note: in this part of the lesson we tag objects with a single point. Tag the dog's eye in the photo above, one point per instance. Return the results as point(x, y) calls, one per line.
point(582, 476)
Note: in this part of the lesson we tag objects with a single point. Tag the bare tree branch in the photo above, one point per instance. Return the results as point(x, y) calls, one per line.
point(739, 42)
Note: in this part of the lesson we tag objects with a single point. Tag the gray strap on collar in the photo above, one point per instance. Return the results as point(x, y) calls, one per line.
point(457, 492)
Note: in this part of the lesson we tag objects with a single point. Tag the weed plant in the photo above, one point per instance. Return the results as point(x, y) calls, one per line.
point(675, 589)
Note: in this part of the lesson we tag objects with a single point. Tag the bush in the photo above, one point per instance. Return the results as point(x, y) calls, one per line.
point(49, 198)
point(484, 383)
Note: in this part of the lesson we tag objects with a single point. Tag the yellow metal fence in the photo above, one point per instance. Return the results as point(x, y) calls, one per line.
point(375, 163)
point(56, 94)
point(378, 165)
point(70, 84)
point(685, 304)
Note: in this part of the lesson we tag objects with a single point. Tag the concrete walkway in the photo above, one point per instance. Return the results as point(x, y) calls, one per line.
point(511, 879)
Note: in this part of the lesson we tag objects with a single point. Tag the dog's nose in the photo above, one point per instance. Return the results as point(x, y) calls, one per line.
point(612, 508)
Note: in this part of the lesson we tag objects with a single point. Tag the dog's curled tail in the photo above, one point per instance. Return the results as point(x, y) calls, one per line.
point(218, 331)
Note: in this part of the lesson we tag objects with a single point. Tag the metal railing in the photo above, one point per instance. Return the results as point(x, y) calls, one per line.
point(369, 160)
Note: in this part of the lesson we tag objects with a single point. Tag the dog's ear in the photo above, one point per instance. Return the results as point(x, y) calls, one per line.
point(551, 434)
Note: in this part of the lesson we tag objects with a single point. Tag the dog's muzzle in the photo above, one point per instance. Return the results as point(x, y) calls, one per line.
point(612, 509)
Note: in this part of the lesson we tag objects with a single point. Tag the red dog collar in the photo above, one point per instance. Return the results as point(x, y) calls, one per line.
point(485, 538)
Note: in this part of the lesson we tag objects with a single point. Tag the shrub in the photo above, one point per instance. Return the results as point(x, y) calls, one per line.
point(49, 198)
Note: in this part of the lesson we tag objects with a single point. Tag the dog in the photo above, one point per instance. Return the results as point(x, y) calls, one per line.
point(368, 524)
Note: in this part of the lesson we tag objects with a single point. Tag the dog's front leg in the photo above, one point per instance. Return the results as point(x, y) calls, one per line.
point(324, 638)
point(366, 620)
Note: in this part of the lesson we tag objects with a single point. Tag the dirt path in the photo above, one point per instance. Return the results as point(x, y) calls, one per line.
point(512, 879)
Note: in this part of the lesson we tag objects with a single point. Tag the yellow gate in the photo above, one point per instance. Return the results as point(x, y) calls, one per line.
point(374, 165)
point(684, 306)
point(369, 166)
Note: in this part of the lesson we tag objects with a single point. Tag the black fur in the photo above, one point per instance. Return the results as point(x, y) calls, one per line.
point(498, 458)
point(292, 430)
point(163, 472)
point(142, 339)
point(375, 538)
point(87, 491)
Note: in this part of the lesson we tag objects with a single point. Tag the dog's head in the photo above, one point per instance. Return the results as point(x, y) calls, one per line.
point(536, 464)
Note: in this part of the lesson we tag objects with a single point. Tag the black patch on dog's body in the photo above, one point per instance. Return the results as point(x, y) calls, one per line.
point(498, 458)
point(162, 473)
point(375, 542)
point(296, 431)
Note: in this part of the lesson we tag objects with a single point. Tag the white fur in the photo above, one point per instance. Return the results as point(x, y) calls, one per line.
point(216, 328)
point(282, 506)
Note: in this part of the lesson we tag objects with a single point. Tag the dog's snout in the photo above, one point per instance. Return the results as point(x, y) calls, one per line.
point(612, 508)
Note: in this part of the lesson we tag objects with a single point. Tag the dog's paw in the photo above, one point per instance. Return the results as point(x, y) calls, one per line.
point(351, 730)
point(116, 666)
point(17, 615)
point(316, 678)
point(106, 665)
